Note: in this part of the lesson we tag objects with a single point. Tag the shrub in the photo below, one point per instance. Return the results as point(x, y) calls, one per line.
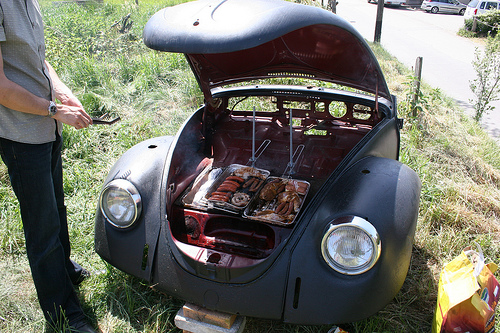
point(487, 23)
point(486, 85)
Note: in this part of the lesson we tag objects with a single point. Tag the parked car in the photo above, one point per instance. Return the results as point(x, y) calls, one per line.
point(476, 7)
point(443, 6)
point(282, 196)
point(395, 3)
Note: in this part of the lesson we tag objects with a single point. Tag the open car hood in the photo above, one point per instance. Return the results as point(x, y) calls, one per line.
point(230, 41)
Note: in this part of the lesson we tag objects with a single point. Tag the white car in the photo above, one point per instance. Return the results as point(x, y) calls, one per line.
point(476, 7)
point(391, 2)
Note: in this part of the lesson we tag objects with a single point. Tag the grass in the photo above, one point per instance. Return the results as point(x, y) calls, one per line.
point(113, 72)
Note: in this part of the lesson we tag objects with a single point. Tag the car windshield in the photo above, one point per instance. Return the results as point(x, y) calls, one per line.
point(294, 81)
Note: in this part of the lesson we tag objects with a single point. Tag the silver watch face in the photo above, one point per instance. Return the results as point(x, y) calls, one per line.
point(52, 109)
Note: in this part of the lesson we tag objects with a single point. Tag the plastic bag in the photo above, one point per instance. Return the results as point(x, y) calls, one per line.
point(467, 296)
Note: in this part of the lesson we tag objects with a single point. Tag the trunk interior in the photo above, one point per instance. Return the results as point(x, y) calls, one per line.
point(217, 216)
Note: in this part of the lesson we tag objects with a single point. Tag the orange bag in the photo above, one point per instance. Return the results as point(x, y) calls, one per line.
point(467, 296)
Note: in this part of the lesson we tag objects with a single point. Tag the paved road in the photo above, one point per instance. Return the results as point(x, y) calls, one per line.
point(410, 33)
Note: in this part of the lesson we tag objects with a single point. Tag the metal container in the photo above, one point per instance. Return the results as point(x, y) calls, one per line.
point(238, 193)
point(279, 201)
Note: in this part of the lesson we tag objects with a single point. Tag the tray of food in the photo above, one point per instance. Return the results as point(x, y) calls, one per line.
point(235, 187)
point(195, 195)
point(279, 201)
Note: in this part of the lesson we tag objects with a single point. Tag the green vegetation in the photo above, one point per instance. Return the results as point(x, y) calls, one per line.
point(486, 85)
point(102, 58)
point(486, 24)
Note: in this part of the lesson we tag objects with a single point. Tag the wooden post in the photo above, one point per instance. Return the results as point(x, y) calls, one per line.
point(416, 87)
point(333, 5)
point(474, 24)
point(378, 22)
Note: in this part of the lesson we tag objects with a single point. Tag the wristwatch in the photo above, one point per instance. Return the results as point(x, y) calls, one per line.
point(52, 109)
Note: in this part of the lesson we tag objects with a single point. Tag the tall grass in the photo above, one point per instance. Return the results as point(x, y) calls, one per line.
point(112, 72)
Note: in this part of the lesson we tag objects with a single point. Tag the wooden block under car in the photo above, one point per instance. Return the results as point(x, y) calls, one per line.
point(197, 325)
point(216, 318)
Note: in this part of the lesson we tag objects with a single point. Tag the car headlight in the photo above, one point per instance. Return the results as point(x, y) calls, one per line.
point(120, 203)
point(351, 247)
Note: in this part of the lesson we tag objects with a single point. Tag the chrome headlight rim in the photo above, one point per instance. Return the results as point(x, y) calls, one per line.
point(135, 199)
point(362, 225)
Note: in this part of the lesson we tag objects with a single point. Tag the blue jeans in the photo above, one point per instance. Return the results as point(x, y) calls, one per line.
point(35, 172)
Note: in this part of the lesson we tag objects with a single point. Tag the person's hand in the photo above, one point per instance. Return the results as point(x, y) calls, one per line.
point(73, 115)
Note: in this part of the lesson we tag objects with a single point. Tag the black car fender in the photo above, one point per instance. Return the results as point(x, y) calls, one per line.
point(386, 193)
point(132, 249)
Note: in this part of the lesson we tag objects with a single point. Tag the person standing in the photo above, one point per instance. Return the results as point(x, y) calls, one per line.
point(30, 146)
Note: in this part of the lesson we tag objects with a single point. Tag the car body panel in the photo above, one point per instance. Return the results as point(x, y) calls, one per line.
point(395, 3)
point(333, 296)
point(443, 6)
point(358, 198)
point(306, 41)
point(134, 250)
point(341, 140)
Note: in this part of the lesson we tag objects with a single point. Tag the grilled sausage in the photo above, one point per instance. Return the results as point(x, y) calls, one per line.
point(236, 179)
point(249, 182)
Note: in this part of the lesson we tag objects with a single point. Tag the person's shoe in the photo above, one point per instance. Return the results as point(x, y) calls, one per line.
point(85, 274)
point(81, 327)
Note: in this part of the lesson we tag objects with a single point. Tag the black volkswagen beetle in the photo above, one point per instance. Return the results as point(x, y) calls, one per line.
point(282, 196)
